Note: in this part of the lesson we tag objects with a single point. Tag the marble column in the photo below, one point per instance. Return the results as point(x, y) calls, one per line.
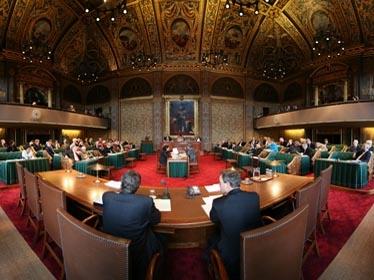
point(345, 96)
point(316, 96)
point(49, 98)
point(21, 95)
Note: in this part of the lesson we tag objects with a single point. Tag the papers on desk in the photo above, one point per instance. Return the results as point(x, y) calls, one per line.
point(209, 199)
point(113, 184)
point(208, 203)
point(163, 205)
point(213, 188)
point(98, 200)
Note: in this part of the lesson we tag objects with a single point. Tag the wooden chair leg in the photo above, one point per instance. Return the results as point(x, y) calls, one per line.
point(37, 233)
point(320, 223)
point(316, 243)
point(45, 239)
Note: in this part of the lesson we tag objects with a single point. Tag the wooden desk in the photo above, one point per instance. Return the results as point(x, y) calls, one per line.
point(187, 222)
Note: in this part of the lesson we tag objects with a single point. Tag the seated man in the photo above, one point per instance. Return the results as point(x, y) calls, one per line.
point(236, 211)
point(366, 154)
point(355, 148)
point(27, 153)
point(164, 154)
point(129, 215)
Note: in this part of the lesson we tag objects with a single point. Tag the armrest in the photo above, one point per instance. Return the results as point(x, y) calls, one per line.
point(219, 269)
point(294, 166)
point(91, 218)
point(151, 269)
point(267, 219)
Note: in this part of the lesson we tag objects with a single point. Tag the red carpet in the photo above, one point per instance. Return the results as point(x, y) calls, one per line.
point(347, 211)
point(209, 174)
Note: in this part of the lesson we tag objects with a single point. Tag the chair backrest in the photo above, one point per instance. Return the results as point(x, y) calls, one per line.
point(275, 249)
point(255, 161)
point(310, 196)
point(91, 254)
point(21, 179)
point(33, 198)
point(325, 187)
point(52, 198)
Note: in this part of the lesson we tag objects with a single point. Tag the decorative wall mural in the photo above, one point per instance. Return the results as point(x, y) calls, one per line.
point(128, 39)
point(181, 85)
point(331, 93)
point(366, 11)
point(179, 25)
point(41, 30)
point(320, 20)
point(266, 93)
point(180, 32)
point(233, 37)
point(36, 96)
point(227, 87)
point(136, 87)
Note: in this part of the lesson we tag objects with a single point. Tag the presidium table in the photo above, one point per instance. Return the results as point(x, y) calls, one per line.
point(187, 224)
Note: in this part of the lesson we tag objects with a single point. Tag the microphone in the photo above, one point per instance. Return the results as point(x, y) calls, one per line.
point(166, 194)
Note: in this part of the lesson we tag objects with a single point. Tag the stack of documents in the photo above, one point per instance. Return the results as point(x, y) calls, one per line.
point(213, 188)
point(113, 184)
point(208, 203)
point(163, 205)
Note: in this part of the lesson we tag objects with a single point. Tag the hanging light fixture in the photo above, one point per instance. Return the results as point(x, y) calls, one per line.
point(214, 58)
point(328, 43)
point(249, 4)
point(142, 61)
point(36, 50)
point(106, 9)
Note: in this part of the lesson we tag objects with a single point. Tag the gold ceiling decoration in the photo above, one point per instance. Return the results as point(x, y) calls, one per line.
point(179, 32)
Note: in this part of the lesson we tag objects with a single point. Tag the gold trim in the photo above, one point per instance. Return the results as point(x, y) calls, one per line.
point(196, 115)
point(136, 98)
point(227, 98)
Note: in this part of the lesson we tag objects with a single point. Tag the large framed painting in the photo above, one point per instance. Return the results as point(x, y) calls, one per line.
point(181, 117)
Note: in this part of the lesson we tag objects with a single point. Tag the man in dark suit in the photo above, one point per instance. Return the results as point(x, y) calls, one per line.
point(236, 211)
point(131, 216)
point(366, 154)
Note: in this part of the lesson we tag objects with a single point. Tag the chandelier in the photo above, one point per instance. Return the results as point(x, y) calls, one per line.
point(214, 58)
point(102, 9)
point(88, 71)
point(141, 60)
point(275, 66)
point(250, 4)
point(328, 43)
point(36, 51)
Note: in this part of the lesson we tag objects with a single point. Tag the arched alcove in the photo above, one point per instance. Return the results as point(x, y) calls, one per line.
point(136, 87)
point(97, 95)
point(181, 85)
point(227, 87)
point(266, 93)
point(293, 91)
point(71, 94)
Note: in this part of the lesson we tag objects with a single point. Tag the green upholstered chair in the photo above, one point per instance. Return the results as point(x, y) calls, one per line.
point(8, 171)
point(346, 173)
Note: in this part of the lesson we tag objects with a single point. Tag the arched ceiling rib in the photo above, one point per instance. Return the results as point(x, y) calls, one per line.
point(179, 31)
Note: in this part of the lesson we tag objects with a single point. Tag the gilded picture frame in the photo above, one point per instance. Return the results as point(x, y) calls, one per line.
point(181, 117)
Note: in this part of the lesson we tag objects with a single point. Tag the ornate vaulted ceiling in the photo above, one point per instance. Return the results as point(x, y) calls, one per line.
point(180, 31)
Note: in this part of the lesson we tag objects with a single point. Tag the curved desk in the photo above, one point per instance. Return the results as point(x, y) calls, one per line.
point(187, 223)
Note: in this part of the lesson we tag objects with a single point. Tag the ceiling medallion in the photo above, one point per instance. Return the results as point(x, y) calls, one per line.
point(250, 4)
point(102, 9)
